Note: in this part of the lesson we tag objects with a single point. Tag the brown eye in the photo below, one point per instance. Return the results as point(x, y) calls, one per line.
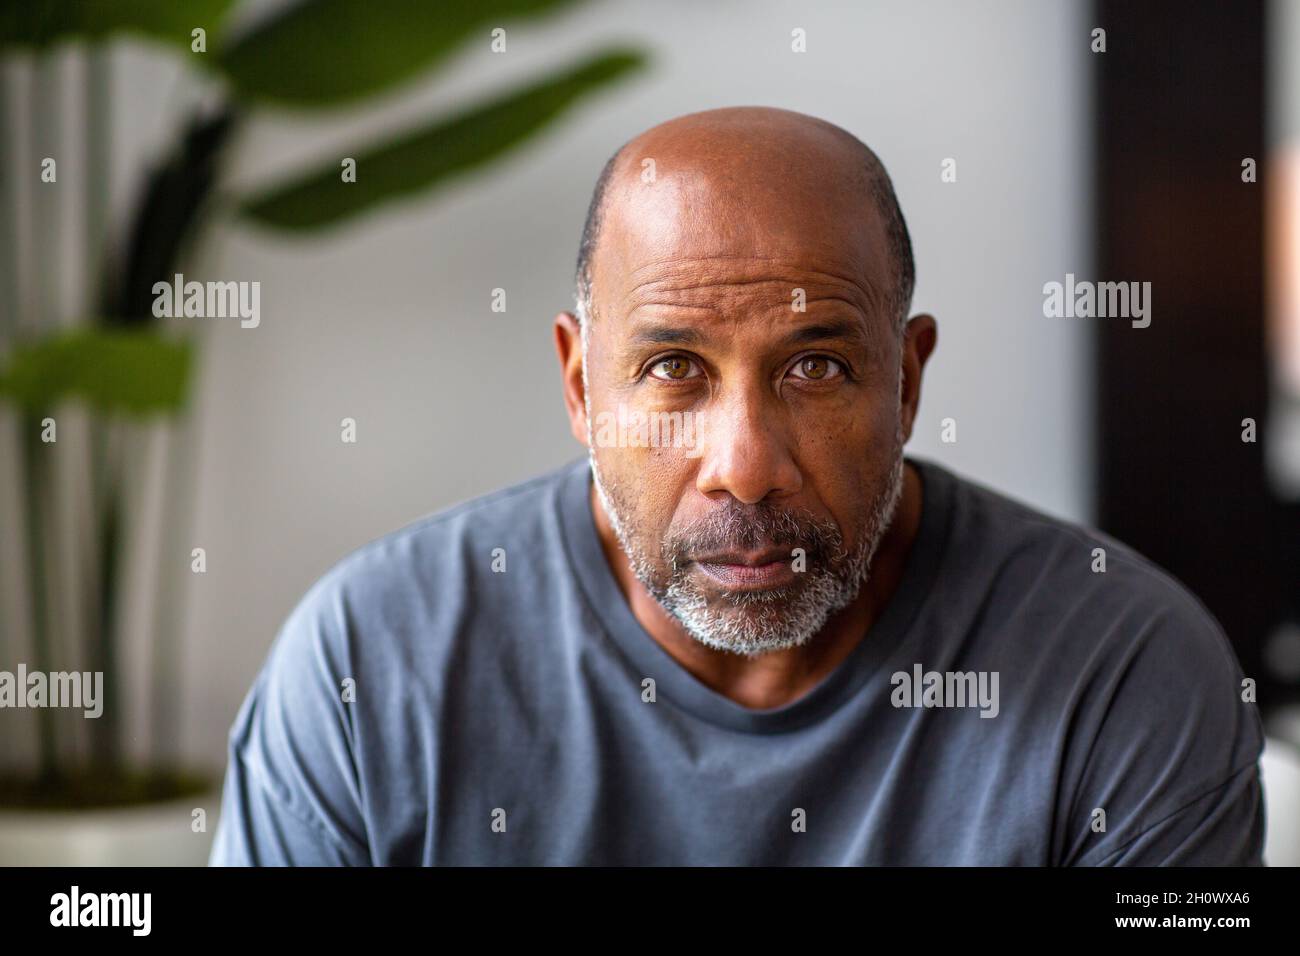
point(674, 368)
point(816, 368)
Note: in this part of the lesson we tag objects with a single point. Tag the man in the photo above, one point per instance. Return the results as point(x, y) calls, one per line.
point(748, 630)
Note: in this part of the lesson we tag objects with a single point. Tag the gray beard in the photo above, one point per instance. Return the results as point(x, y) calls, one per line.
point(759, 622)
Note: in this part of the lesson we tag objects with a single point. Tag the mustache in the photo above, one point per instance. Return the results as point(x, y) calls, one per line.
point(737, 526)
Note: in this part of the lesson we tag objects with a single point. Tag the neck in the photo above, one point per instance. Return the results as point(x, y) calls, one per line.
point(779, 677)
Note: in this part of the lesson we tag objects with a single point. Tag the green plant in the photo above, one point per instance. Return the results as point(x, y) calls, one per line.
point(314, 55)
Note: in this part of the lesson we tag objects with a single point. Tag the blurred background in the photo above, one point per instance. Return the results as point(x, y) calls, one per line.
point(198, 478)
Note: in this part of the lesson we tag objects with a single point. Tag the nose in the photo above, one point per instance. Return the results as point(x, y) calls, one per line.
point(746, 452)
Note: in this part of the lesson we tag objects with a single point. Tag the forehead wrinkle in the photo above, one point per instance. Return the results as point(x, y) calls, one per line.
point(687, 265)
point(668, 291)
point(712, 310)
point(818, 285)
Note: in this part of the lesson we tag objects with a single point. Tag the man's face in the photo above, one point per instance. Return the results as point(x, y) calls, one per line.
point(742, 388)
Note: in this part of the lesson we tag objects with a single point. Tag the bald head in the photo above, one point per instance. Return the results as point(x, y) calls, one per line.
point(771, 173)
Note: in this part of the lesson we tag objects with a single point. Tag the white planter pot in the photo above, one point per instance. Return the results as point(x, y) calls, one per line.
point(154, 834)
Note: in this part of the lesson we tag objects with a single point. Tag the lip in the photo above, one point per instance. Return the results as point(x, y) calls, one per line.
point(752, 571)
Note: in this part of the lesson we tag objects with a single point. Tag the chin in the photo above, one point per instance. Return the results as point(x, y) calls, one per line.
point(751, 645)
point(753, 629)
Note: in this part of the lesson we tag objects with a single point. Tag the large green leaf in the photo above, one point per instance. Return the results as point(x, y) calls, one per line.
point(131, 372)
point(419, 160)
point(39, 23)
point(322, 52)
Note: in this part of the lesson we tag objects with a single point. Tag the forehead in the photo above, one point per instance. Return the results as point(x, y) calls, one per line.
point(700, 221)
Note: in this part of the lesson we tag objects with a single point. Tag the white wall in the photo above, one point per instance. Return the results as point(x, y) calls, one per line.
point(388, 320)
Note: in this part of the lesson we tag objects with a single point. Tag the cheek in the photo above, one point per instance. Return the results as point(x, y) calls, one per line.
point(847, 459)
point(642, 442)
point(855, 440)
point(651, 482)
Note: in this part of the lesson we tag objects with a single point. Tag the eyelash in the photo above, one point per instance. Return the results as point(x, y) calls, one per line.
point(659, 360)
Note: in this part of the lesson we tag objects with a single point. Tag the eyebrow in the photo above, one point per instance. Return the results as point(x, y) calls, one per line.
point(838, 329)
point(666, 335)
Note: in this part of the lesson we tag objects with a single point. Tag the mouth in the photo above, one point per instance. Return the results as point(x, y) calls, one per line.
point(749, 570)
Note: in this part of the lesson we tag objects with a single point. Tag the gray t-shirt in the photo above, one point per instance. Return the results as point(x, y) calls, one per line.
point(427, 703)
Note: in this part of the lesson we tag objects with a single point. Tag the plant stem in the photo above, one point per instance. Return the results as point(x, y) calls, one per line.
point(105, 743)
point(176, 501)
point(35, 474)
point(9, 295)
point(97, 79)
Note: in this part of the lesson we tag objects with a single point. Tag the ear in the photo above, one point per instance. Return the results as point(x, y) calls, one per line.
point(568, 346)
point(919, 339)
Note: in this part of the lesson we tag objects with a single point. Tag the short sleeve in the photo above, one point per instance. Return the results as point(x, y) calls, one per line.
point(1224, 827)
point(291, 795)
point(1167, 758)
point(257, 829)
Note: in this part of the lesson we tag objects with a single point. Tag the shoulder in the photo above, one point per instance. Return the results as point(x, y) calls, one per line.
point(1055, 571)
point(1087, 624)
point(392, 610)
point(447, 551)
point(385, 619)
point(1132, 674)
point(528, 509)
